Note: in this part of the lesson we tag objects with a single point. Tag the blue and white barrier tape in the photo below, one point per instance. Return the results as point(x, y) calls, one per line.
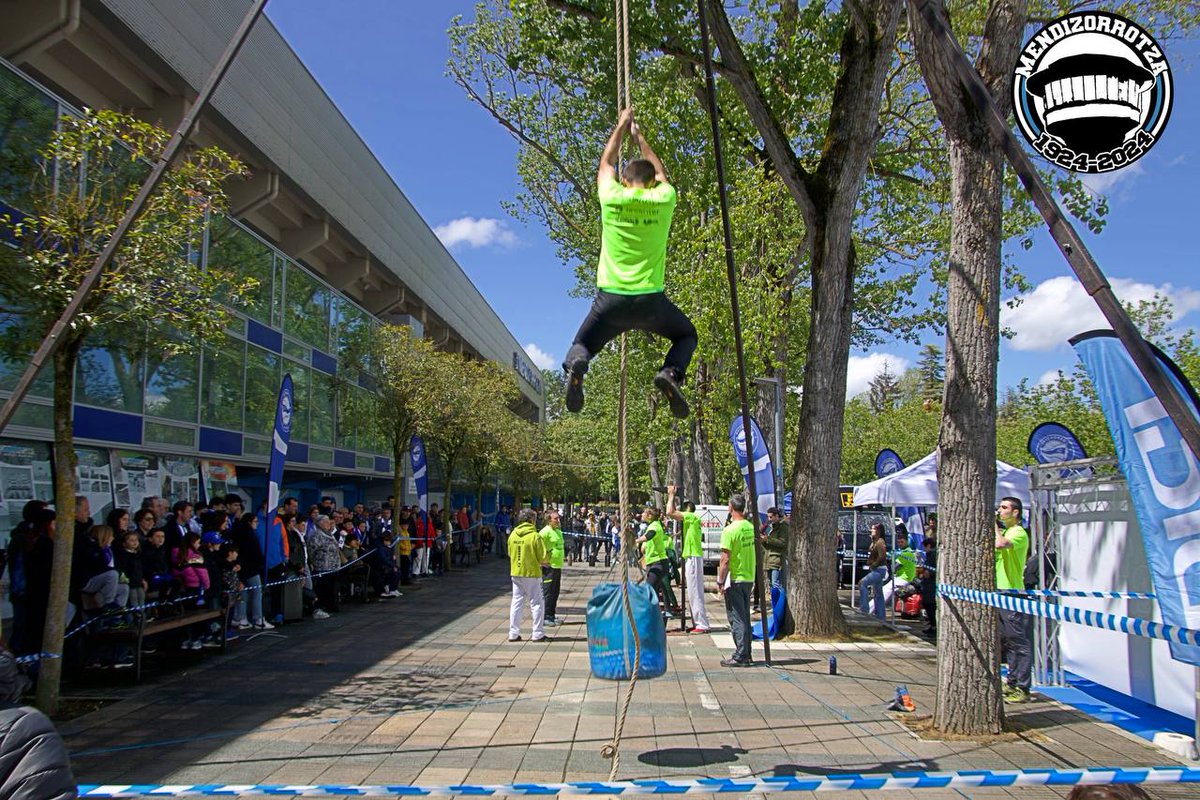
point(848, 782)
point(1070, 593)
point(1095, 619)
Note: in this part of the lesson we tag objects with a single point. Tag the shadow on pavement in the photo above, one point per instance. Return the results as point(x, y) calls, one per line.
point(691, 757)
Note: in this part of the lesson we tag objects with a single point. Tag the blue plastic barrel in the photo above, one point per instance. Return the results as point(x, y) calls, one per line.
point(610, 639)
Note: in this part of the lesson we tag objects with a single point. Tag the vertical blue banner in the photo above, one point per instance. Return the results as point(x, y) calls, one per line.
point(271, 535)
point(764, 474)
point(887, 462)
point(416, 452)
point(1162, 472)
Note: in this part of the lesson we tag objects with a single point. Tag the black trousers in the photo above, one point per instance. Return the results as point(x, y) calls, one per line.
point(1016, 642)
point(551, 584)
point(613, 314)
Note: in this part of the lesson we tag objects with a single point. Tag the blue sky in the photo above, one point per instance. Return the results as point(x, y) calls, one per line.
point(383, 63)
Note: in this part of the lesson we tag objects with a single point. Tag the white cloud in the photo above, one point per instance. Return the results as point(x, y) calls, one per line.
point(1049, 377)
point(1108, 182)
point(863, 369)
point(1058, 309)
point(540, 357)
point(481, 232)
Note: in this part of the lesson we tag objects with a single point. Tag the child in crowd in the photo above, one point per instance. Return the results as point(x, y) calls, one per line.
point(232, 586)
point(187, 564)
point(355, 576)
point(210, 551)
point(385, 574)
point(156, 567)
point(129, 563)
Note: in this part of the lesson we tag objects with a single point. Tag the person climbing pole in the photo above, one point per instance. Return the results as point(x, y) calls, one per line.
point(635, 213)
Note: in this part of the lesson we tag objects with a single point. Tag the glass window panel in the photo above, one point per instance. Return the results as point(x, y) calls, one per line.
point(172, 385)
point(300, 384)
point(27, 119)
point(262, 390)
point(221, 391)
point(162, 433)
point(321, 417)
point(306, 310)
point(34, 415)
point(110, 377)
point(256, 447)
point(12, 368)
point(232, 248)
point(319, 455)
point(353, 334)
point(300, 352)
point(347, 415)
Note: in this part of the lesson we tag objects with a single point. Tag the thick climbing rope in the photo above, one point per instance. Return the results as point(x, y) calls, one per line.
point(612, 750)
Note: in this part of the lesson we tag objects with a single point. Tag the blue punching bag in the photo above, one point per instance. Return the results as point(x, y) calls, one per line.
point(610, 640)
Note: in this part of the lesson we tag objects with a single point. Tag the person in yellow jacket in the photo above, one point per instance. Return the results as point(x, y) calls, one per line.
point(693, 558)
point(552, 537)
point(526, 555)
point(654, 554)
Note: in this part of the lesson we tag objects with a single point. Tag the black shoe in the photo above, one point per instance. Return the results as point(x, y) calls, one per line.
point(575, 385)
point(668, 384)
point(735, 662)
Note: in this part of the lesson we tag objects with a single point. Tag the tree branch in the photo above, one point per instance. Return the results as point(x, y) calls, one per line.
point(520, 134)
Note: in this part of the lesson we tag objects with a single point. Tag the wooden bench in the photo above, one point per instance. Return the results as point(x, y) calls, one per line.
point(144, 628)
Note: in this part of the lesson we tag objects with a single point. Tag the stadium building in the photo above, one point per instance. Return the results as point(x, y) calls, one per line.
point(334, 243)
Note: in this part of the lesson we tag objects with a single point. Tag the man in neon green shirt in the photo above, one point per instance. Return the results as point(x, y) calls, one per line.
point(654, 554)
point(526, 554)
point(1016, 629)
point(635, 213)
point(735, 579)
point(693, 558)
point(904, 569)
point(552, 538)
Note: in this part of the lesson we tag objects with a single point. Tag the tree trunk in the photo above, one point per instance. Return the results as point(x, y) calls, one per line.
point(812, 590)
point(969, 699)
point(675, 464)
point(398, 456)
point(706, 472)
point(50, 669)
point(688, 484)
point(655, 480)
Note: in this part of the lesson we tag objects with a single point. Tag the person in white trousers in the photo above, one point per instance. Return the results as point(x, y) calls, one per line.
point(693, 559)
point(526, 557)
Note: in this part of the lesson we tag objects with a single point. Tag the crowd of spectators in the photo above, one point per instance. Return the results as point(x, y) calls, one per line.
point(167, 560)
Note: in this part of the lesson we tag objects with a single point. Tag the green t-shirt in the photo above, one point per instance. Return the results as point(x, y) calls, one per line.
point(1010, 561)
point(655, 548)
point(552, 538)
point(906, 564)
point(738, 539)
point(633, 243)
point(526, 552)
point(693, 536)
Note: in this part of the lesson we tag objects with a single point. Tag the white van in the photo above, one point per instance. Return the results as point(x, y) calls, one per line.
point(712, 522)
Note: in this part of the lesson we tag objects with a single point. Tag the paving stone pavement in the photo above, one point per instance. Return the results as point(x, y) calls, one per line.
point(426, 689)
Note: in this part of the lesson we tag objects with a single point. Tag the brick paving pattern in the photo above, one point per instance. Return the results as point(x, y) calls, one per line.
point(425, 689)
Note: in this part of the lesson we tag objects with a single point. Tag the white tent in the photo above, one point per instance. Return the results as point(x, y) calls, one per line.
point(916, 485)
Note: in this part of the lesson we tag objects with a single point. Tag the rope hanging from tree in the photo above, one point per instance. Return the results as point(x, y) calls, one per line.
point(612, 750)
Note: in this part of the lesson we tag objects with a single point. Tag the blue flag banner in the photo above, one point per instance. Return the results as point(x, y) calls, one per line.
point(764, 474)
point(1162, 473)
point(271, 534)
point(416, 453)
point(887, 462)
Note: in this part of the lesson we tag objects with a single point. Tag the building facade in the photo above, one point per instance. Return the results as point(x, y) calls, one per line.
point(334, 244)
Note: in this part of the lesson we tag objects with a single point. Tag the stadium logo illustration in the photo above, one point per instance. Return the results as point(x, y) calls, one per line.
point(1092, 91)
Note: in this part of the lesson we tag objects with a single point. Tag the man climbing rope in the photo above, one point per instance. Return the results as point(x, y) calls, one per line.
point(636, 218)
